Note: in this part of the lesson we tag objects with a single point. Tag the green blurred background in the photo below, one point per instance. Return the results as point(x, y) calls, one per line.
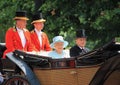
point(100, 18)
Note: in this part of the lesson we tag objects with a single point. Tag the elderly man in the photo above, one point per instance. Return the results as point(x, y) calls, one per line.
point(18, 37)
point(80, 40)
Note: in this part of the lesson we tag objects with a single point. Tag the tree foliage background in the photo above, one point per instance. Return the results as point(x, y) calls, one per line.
point(100, 18)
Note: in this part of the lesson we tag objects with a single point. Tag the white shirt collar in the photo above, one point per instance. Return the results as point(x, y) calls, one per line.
point(38, 32)
point(81, 47)
point(22, 36)
point(19, 30)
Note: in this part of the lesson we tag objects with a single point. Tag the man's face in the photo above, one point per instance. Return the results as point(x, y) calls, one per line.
point(81, 42)
point(39, 25)
point(21, 23)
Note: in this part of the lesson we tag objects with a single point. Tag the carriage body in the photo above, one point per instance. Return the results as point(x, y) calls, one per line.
point(63, 72)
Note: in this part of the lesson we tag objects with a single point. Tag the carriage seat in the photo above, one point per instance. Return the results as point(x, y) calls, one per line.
point(2, 49)
point(5, 63)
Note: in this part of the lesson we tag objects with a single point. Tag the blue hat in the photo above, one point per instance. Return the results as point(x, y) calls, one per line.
point(59, 39)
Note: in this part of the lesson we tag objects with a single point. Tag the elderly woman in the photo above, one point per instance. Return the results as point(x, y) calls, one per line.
point(58, 45)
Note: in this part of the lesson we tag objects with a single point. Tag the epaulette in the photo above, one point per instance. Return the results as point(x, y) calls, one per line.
point(25, 29)
point(13, 28)
point(32, 31)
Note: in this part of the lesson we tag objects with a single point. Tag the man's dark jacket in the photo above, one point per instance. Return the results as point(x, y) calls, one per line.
point(76, 51)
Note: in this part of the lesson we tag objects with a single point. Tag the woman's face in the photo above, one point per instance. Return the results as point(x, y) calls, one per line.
point(81, 42)
point(39, 25)
point(58, 46)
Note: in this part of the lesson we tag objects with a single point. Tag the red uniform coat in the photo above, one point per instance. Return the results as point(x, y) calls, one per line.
point(13, 41)
point(45, 42)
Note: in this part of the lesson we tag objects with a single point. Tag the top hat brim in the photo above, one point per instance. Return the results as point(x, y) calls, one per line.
point(21, 18)
point(40, 20)
point(65, 44)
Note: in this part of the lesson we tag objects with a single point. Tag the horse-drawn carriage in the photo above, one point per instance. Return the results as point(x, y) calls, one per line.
point(98, 67)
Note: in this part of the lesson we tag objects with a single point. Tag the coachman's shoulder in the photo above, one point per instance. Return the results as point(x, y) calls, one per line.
point(32, 31)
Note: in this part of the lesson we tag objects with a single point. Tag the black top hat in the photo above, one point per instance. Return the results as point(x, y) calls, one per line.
point(80, 33)
point(21, 15)
point(38, 18)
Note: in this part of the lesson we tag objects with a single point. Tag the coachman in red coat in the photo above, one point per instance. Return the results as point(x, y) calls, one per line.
point(39, 38)
point(18, 37)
